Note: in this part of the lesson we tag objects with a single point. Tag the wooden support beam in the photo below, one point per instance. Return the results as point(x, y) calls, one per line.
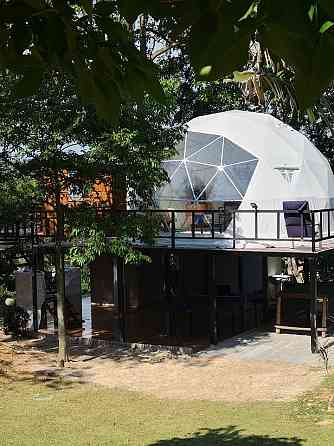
point(265, 284)
point(167, 293)
point(115, 281)
point(122, 306)
point(313, 306)
point(34, 288)
point(212, 286)
point(243, 295)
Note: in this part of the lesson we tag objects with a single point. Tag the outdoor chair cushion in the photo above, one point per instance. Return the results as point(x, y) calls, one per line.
point(293, 220)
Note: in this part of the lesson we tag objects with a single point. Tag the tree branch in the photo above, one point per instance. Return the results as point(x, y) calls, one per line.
point(164, 50)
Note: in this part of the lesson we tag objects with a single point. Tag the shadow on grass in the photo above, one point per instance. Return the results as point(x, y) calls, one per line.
point(15, 368)
point(52, 379)
point(228, 436)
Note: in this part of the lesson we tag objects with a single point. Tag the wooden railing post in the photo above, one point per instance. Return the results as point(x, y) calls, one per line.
point(34, 288)
point(313, 231)
point(313, 306)
point(212, 224)
point(301, 225)
point(192, 224)
point(278, 224)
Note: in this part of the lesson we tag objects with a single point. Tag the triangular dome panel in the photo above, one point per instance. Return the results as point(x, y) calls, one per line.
point(211, 154)
point(196, 141)
point(232, 153)
point(200, 176)
point(179, 187)
point(180, 150)
point(170, 167)
point(221, 189)
point(241, 174)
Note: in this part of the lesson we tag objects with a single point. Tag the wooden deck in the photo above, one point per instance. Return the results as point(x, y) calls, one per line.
point(272, 248)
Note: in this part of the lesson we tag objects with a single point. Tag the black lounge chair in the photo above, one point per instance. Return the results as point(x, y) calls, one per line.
point(298, 223)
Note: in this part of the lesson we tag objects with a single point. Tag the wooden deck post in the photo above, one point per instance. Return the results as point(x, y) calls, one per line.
point(265, 285)
point(243, 295)
point(212, 287)
point(121, 299)
point(168, 294)
point(279, 312)
point(115, 289)
point(313, 306)
point(34, 288)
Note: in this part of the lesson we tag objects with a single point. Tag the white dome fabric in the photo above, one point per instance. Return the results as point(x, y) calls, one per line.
point(248, 158)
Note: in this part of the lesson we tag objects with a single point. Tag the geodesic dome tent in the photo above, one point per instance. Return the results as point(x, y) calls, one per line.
point(244, 157)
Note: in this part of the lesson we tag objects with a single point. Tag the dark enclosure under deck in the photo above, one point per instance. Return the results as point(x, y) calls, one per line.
point(206, 281)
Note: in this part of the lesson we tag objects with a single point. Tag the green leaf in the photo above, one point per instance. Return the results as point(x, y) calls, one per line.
point(87, 6)
point(205, 71)
point(30, 82)
point(326, 26)
point(328, 6)
point(243, 76)
point(104, 8)
point(36, 4)
point(311, 83)
point(86, 86)
point(71, 38)
point(250, 11)
point(233, 52)
point(106, 99)
point(133, 8)
point(312, 12)
point(11, 11)
point(21, 37)
point(292, 46)
point(310, 114)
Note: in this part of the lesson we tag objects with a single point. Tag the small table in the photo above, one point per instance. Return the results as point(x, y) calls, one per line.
point(323, 300)
point(281, 278)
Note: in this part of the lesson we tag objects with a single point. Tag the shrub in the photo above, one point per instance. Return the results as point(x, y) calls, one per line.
point(13, 319)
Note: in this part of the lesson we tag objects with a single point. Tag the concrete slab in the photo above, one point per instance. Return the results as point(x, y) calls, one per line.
point(267, 346)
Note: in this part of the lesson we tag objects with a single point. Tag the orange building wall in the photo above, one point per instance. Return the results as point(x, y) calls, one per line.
point(101, 195)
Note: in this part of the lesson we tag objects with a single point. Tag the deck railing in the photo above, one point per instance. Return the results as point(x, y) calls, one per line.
point(178, 224)
point(319, 224)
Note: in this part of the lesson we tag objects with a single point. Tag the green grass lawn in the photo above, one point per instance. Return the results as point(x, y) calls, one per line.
point(35, 414)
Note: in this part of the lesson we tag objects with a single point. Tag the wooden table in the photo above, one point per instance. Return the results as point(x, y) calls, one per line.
point(322, 300)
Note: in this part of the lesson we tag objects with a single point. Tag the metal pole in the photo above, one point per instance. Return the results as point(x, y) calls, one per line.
point(313, 306)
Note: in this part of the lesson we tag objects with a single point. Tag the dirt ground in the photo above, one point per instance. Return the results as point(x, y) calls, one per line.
point(160, 374)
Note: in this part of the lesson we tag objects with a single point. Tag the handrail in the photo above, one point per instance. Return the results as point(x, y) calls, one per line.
point(42, 224)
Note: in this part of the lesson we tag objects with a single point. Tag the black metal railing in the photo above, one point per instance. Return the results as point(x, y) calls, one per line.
point(177, 224)
point(314, 225)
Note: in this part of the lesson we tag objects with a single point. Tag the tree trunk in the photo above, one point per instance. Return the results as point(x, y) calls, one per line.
point(60, 282)
point(143, 34)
